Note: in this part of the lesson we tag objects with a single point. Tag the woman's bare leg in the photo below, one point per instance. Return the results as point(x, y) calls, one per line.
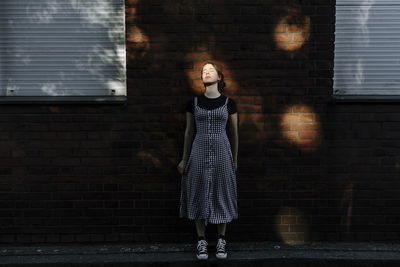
point(221, 228)
point(201, 227)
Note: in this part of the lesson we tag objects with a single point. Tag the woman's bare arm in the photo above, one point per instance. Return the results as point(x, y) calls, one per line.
point(189, 134)
point(233, 120)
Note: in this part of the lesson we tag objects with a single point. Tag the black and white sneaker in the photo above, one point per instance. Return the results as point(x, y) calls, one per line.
point(202, 250)
point(220, 249)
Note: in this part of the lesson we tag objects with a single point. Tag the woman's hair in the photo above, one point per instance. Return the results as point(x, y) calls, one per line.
point(221, 83)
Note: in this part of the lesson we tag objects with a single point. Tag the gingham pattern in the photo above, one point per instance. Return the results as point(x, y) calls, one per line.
point(208, 184)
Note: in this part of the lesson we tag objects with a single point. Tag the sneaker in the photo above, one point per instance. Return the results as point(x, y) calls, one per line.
point(220, 249)
point(202, 250)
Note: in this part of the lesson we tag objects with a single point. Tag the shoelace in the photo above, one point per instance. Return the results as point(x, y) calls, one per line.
point(221, 245)
point(202, 246)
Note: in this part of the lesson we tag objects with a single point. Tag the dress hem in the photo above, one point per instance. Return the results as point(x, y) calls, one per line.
point(210, 222)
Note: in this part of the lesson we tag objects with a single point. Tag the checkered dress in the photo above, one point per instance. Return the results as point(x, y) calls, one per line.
point(208, 184)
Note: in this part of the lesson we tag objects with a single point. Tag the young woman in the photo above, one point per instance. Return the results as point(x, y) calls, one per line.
point(209, 164)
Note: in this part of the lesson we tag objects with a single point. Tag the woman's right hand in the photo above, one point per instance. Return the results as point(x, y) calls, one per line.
point(181, 166)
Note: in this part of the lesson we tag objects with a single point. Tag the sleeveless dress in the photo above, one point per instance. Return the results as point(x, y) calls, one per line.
point(208, 183)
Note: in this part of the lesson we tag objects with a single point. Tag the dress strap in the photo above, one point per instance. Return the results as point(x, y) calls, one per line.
point(195, 101)
point(226, 101)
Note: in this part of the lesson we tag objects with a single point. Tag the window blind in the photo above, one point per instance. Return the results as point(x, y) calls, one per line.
point(62, 48)
point(367, 48)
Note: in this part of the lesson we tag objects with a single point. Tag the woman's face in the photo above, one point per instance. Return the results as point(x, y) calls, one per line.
point(209, 74)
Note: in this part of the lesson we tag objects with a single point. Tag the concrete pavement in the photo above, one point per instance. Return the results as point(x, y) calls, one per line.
point(183, 254)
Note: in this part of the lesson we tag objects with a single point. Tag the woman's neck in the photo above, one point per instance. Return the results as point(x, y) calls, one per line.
point(212, 91)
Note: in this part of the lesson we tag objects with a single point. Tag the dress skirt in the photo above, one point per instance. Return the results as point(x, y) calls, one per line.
point(208, 183)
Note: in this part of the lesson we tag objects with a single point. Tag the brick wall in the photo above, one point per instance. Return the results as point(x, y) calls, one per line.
point(309, 169)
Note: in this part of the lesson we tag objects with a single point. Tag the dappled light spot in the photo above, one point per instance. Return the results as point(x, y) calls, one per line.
point(138, 43)
point(52, 88)
point(150, 156)
point(292, 31)
point(292, 226)
point(300, 126)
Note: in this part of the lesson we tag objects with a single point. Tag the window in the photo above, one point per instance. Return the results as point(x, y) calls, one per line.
point(367, 50)
point(62, 50)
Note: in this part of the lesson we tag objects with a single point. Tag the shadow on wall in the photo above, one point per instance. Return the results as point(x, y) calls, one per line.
point(278, 69)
